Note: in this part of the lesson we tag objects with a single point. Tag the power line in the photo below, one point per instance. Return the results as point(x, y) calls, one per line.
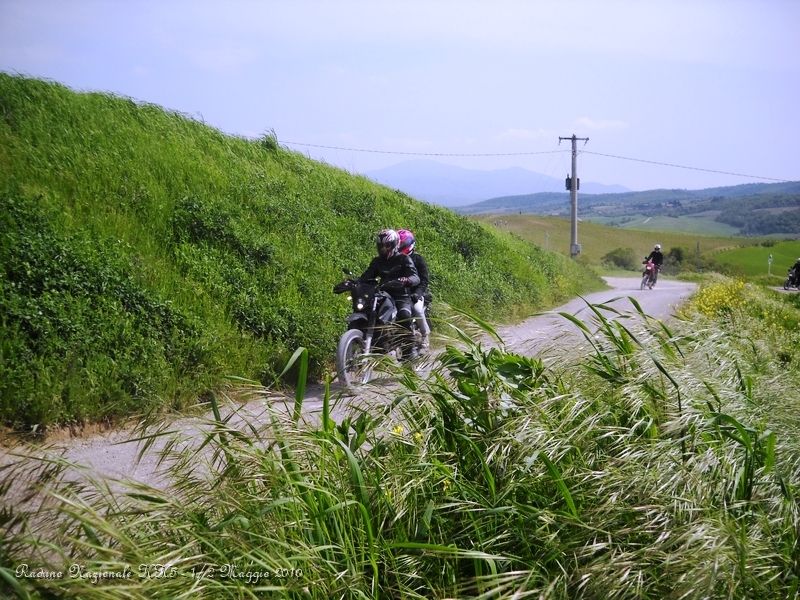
point(666, 164)
point(489, 154)
point(422, 153)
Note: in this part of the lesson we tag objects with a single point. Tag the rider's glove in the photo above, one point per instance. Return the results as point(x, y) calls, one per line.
point(392, 284)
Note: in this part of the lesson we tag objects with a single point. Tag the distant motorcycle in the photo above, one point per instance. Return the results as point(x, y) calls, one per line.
point(367, 334)
point(649, 274)
point(792, 279)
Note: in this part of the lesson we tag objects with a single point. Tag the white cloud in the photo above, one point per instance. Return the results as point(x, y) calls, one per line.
point(513, 133)
point(599, 124)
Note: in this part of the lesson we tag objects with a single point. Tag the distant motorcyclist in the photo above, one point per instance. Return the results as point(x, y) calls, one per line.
point(794, 271)
point(658, 259)
point(397, 275)
point(420, 295)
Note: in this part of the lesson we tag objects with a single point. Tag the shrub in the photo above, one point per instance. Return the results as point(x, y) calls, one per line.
point(623, 258)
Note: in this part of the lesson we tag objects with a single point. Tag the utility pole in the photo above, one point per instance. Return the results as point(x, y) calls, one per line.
point(572, 184)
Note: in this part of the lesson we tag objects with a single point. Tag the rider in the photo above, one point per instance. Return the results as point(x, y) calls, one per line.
point(658, 259)
point(420, 296)
point(397, 275)
point(795, 270)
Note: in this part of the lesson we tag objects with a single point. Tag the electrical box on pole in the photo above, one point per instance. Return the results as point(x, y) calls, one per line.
point(573, 184)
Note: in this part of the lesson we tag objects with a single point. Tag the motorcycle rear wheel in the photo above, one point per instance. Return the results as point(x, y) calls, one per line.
point(352, 365)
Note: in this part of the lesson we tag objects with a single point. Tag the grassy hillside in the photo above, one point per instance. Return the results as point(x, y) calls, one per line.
point(699, 224)
point(597, 240)
point(753, 260)
point(146, 256)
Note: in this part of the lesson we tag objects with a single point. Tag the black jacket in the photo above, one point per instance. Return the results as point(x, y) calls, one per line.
point(656, 256)
point(422, 271)
point(390, 269)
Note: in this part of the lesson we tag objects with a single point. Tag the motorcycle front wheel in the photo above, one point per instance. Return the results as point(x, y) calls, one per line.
point(352, 365)
point(645, 280)
point(787, 283)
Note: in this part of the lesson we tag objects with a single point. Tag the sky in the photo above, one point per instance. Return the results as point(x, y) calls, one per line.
point(709, 84)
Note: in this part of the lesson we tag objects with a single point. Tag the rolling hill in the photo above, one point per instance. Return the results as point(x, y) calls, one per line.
point(145, 257)
point(749, 209)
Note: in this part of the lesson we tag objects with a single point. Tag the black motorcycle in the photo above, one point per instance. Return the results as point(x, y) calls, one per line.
point(371, 330)
point(792, 279)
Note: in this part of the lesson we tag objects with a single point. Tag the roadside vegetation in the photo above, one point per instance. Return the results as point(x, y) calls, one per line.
point(145, 257)
point(658, 461)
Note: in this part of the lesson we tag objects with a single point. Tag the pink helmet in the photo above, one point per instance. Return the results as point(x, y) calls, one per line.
point(407, 241)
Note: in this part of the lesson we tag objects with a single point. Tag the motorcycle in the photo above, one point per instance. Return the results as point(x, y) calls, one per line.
point(792, 279)
point(371, 330)
point(649, 274)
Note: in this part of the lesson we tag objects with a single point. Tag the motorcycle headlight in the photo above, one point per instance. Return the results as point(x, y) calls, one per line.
point(360, 305)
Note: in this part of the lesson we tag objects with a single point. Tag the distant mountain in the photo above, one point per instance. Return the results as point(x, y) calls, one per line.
point(645, 202)
point(449, 185)
point(752, 209)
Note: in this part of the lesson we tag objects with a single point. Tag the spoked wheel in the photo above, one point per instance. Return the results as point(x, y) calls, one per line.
point(645, 280)
point(787, 283)
point(352, 365)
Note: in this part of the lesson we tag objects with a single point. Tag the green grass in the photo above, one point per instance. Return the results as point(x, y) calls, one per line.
point(698, 225)
point(754, 260)
point(597, 240)
point(145, 257)
point(661, 462)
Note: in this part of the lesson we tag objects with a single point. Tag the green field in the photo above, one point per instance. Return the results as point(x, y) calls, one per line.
point(597, 240)
point(696, 225)
point(753, 260)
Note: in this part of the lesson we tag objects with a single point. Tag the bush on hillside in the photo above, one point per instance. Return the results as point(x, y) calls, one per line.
point(622, 258)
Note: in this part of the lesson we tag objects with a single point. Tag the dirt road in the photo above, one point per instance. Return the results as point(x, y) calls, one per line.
point(108, 455)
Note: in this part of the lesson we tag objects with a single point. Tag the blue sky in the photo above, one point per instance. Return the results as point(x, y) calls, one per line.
point(707, 84)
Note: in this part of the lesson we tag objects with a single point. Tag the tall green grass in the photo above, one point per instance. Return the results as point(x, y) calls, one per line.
point(663, 463)
point(146, 256)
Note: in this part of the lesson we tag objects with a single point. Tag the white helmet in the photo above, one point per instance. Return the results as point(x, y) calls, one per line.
point(387, 242)
point(658, 246)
